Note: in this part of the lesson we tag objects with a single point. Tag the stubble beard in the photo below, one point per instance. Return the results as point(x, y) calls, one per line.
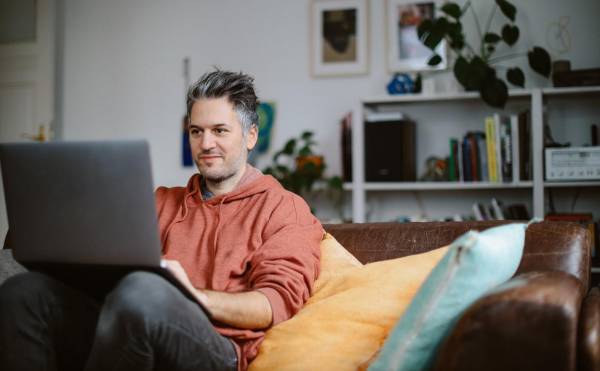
point(228, 171)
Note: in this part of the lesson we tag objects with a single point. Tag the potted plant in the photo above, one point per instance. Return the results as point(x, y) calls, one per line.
point(298, 168)
point(476, 68)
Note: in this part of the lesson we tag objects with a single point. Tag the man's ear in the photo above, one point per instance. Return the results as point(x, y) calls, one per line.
point(252, 137)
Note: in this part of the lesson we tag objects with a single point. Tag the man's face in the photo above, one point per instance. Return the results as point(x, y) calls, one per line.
point(218, 145)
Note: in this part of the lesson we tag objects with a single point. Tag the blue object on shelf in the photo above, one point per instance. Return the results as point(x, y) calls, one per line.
point(401, 83)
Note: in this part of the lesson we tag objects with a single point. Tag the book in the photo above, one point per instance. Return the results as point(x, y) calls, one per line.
point(497, 209)
point(516, 161)
point(482, 153)
point(474, 162)
point(346, 137)
point(505, 140)
point(478, 211)
point(466, 160)
point(516, 212)
point(498, 119)
point(490, 139)
point(459, 161)
point(453, 174)
point(525, 154)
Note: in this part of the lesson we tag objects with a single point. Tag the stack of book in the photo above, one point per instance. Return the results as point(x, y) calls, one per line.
point(501, 153)
point(497, 211)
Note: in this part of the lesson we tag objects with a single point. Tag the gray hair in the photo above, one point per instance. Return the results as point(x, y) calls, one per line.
point(237, 87)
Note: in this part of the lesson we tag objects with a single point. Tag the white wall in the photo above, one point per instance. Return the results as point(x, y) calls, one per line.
point(123, 65)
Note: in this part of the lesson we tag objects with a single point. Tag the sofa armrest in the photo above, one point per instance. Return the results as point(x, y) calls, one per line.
point(7, 241)
point(8, 266)
point(588, 357)
point(528, 323)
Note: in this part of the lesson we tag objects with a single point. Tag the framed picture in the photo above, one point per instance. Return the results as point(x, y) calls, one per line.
point(405, 52)
point(339, 37)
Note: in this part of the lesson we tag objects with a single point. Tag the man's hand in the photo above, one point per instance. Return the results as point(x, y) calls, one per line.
point(175, 267)
point(248, 310)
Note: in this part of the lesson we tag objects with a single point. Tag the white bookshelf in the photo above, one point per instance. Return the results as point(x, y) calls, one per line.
point(571, 184)
point(447, 115)
point(447, 186)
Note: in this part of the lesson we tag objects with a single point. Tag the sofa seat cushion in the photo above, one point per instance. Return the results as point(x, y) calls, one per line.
point(475, 263)
point(350, 313)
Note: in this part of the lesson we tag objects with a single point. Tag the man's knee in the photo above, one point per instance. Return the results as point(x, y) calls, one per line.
point(24, 288)
point(141, 301)
point(136, 300)
point(138, 291)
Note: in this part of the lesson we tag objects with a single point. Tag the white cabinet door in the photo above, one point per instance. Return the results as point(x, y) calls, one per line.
point(26, 76)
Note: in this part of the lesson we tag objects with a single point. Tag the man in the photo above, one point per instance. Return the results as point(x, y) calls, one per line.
point(246, 247)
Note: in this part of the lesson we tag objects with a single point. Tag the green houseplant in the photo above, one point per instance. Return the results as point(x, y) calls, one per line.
point(298, 168)
point(476, 69)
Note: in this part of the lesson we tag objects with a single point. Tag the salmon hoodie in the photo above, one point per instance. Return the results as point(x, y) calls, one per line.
point(257, 237)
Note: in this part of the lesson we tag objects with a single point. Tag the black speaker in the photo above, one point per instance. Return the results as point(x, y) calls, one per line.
point(390, 151)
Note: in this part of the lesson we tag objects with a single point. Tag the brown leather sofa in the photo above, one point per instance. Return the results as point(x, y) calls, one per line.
point(545, 319)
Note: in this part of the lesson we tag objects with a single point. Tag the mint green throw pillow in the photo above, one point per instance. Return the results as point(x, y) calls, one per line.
point(475, 263)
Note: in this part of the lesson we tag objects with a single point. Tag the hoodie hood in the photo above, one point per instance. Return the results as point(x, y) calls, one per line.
point(253, 181)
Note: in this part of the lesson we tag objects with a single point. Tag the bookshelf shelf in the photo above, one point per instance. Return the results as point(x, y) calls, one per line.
point(443, 116)
point(457, 96)
point(572, 184)
point(441, 186)
point(571, 90)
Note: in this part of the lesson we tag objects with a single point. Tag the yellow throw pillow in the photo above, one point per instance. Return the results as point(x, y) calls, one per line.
point(349, 315)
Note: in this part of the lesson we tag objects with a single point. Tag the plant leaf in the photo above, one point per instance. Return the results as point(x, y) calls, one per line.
point(478, 72)
point(491, 37)
point(452, 9)
point(284, 170)
point(494, 92)
point(507, 9)
point(437, 33)
point(424, 28)
point(305, 151)
point(516, 76)
point(335, 183)
point(434, 60)
point(289, 147)
point(461, 68)
point(539, 60)
point(307, 135)
point(457, 39)
point(510, 34)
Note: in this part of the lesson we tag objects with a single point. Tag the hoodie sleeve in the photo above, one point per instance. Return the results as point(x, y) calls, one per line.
point(285, 267)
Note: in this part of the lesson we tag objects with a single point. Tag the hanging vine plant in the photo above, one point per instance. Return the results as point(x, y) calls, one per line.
point(475, 69)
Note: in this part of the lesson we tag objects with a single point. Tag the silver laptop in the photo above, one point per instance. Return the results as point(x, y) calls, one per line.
point(83, 211)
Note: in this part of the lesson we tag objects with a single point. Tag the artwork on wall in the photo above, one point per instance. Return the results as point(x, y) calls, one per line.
point(186, 150)
point(339, 37)
point(266, 119)
point(405, 52)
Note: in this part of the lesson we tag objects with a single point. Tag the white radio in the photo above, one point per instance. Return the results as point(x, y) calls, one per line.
point(573, 163)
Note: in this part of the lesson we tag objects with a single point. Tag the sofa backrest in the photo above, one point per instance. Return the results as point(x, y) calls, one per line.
point(548, 245)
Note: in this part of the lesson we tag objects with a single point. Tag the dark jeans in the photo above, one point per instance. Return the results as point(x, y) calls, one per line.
point(144, 323)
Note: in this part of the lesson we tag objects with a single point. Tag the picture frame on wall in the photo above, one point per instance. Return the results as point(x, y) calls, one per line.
point(339, 37)
point(405, 52)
